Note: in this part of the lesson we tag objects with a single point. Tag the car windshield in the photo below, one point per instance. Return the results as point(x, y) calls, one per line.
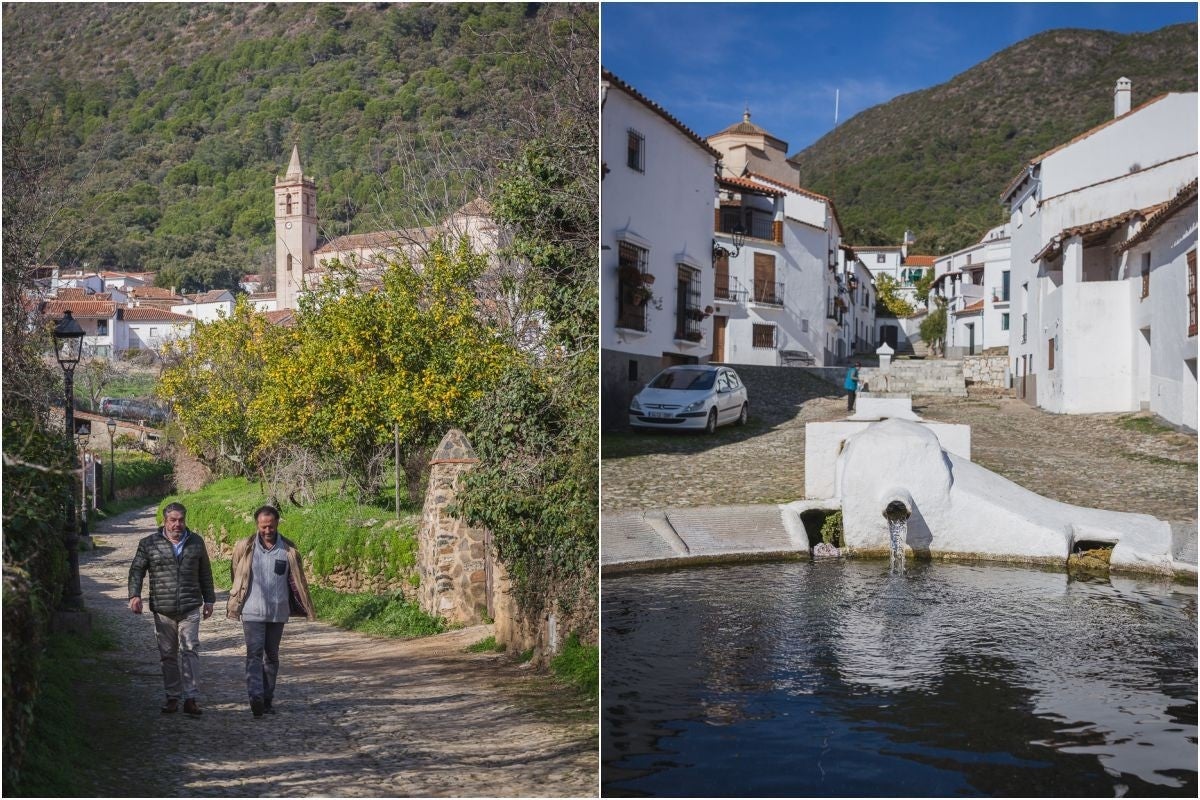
point(689, 379)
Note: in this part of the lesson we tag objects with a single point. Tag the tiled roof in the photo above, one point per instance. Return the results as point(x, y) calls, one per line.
point(803, 191)
point(1186, 195)
point(261, 296)
point(80, 309)
point(746, 183)
point(379, 240)
point(150, 314)
point(1015, 182)
point(605, 75)
point(748, 128)
point(1091, 231)
point(919, 261)
point(972, 308)
point(213, 296)
point(285, 317)
point(72, 293)
point(153, 293)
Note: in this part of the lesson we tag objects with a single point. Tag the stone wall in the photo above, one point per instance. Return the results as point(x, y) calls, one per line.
point(453, 558)
point(987, 370)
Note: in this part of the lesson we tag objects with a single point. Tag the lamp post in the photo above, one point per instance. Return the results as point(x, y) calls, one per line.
point(112, 459)
point(68, 345)
point(739, 238)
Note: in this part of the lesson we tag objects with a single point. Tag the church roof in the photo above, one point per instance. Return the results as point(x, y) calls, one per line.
point(748, 128)
point(380, 240)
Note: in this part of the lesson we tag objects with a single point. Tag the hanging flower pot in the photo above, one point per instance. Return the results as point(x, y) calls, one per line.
point(647, 279)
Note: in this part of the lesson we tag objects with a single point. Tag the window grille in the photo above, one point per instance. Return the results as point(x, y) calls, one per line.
point(636, 157)
point(764, 336)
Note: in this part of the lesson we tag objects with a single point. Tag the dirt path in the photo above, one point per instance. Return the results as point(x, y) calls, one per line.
point(356, 715)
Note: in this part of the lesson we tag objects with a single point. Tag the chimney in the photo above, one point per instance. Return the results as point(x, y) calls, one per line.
point(1122, 97)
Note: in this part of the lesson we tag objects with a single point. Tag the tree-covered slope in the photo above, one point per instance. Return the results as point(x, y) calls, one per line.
point(935, 161)
point(172, 120)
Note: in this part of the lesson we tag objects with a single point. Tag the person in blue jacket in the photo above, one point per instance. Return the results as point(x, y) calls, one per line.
point(851, 385)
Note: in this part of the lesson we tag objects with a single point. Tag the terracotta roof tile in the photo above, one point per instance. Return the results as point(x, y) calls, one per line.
point(153, 293)
point(746, 183)
point(285, 317)
point(80, 309)
point(748, 128)
point(151, 314)
point(803, 191)
point(1186, 195)
point(1091, 230)
point(605, 75)
point(379, 240)
point(72, 293)
point(919, 261)
point(972, 307)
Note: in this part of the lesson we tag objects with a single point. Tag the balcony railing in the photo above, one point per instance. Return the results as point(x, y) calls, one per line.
point(999, 294)
point(769, 293)
point(728, 289)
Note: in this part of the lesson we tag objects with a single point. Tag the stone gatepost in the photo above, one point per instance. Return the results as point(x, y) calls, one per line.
point(885, 356)
point(453, 557)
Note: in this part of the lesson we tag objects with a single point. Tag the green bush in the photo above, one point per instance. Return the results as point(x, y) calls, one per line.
point(381, 615)
point(579, 665)
point(831, 529)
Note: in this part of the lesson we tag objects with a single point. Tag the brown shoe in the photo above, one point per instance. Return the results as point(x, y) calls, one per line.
point(190, 707)
point(171, 706)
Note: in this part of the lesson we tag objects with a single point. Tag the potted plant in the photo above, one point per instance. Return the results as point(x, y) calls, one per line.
point(641, 295)
point(693, 336)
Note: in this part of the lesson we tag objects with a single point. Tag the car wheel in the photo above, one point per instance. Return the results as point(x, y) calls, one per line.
point(745, 415)
point(711, 425)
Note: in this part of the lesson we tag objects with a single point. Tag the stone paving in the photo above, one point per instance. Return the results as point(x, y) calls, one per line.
point(356, 715)
point(1090, 460)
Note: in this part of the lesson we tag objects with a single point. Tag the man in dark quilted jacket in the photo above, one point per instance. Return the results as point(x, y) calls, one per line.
point(181, 591)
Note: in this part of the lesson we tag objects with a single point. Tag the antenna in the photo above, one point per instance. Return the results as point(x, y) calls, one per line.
point(837, 96)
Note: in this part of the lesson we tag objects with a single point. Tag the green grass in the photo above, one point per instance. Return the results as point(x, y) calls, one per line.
point(135, 468)
point(57, 739)
point(524, 656)
point(332, 532)
point(579, 666)
point(1131, 422)
point(1159, 460)
point(222, 578)
point(487, 645)
point(380, 615)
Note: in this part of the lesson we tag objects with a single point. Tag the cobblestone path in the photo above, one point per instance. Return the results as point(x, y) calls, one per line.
point(1090, 459)
point(357, 716)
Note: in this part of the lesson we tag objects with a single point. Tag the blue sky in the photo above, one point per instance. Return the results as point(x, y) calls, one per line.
point(704, 62)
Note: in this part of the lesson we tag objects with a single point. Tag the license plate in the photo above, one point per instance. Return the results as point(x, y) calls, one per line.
point(660, 414)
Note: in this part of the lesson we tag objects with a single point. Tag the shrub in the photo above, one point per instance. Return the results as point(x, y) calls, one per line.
point(831, 529)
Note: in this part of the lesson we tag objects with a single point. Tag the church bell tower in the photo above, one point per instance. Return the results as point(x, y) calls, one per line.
point(295, 232)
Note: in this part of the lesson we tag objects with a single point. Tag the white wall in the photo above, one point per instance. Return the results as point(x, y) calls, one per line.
point(668, 210)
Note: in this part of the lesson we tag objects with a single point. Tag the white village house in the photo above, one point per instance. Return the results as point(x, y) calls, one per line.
point(1103, 250)
point(975, 284)
point(894, 261)
point(656, 284)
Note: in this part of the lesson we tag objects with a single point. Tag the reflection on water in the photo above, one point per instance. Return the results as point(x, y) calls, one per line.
point(838, 678)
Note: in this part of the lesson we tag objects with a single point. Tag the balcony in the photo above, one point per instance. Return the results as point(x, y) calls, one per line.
point(728, 290)
point(767, 293)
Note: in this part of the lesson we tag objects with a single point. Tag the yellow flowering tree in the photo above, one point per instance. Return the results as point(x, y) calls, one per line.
point(410, 354)
point(211, 381)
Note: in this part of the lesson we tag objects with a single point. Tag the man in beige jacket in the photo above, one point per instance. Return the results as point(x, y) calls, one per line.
point(268, 588)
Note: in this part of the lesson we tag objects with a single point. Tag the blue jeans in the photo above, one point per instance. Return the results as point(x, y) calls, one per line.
point(262, 657)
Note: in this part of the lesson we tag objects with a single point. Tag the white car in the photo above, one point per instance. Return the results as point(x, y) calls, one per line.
point(694, 396)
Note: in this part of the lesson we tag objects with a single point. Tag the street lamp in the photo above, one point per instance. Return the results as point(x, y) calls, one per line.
point(112, 459)
point(68, 345)
point(739, 238)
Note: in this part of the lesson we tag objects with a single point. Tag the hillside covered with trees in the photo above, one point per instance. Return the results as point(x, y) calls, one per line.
point(936, 161)
point(171, 121)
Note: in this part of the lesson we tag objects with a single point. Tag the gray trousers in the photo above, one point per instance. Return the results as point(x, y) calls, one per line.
point(262, 657)
point(179, 652)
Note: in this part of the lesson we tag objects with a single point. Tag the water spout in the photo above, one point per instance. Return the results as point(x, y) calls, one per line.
point(896, 512)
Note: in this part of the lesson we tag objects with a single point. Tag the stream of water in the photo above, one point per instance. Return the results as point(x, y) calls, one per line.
point(842, 678)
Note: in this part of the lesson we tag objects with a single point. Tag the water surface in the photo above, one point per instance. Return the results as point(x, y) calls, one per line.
point(837, 678)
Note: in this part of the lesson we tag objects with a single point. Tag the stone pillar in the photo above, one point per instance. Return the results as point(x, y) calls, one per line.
point(1073, 260)
point(885, 356)
point(452, 556)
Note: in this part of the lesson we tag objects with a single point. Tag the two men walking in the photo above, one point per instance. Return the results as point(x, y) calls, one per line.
point(268, 587)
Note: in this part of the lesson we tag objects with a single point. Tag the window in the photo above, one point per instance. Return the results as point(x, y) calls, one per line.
point(632, 292)
point(102, 327)
point(1050, 354)
point(1145, 275)
point(721, 276)
point(687, 304)
point(1191, 288)
point(764, 336)
point(289, 203)
point(880, 258)
point(308, 205)
point(289, 262)
point(766, 290)
point(154, 333)
point(636, 158)
point(1004, 322)
point(1004, 286)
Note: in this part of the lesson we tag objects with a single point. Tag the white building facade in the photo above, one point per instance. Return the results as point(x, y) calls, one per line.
point(656, 284)
point(1088, 334)
point(975, 284)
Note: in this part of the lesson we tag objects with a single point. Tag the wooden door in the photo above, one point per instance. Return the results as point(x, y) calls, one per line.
point(718, 351)
point(764, 278)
